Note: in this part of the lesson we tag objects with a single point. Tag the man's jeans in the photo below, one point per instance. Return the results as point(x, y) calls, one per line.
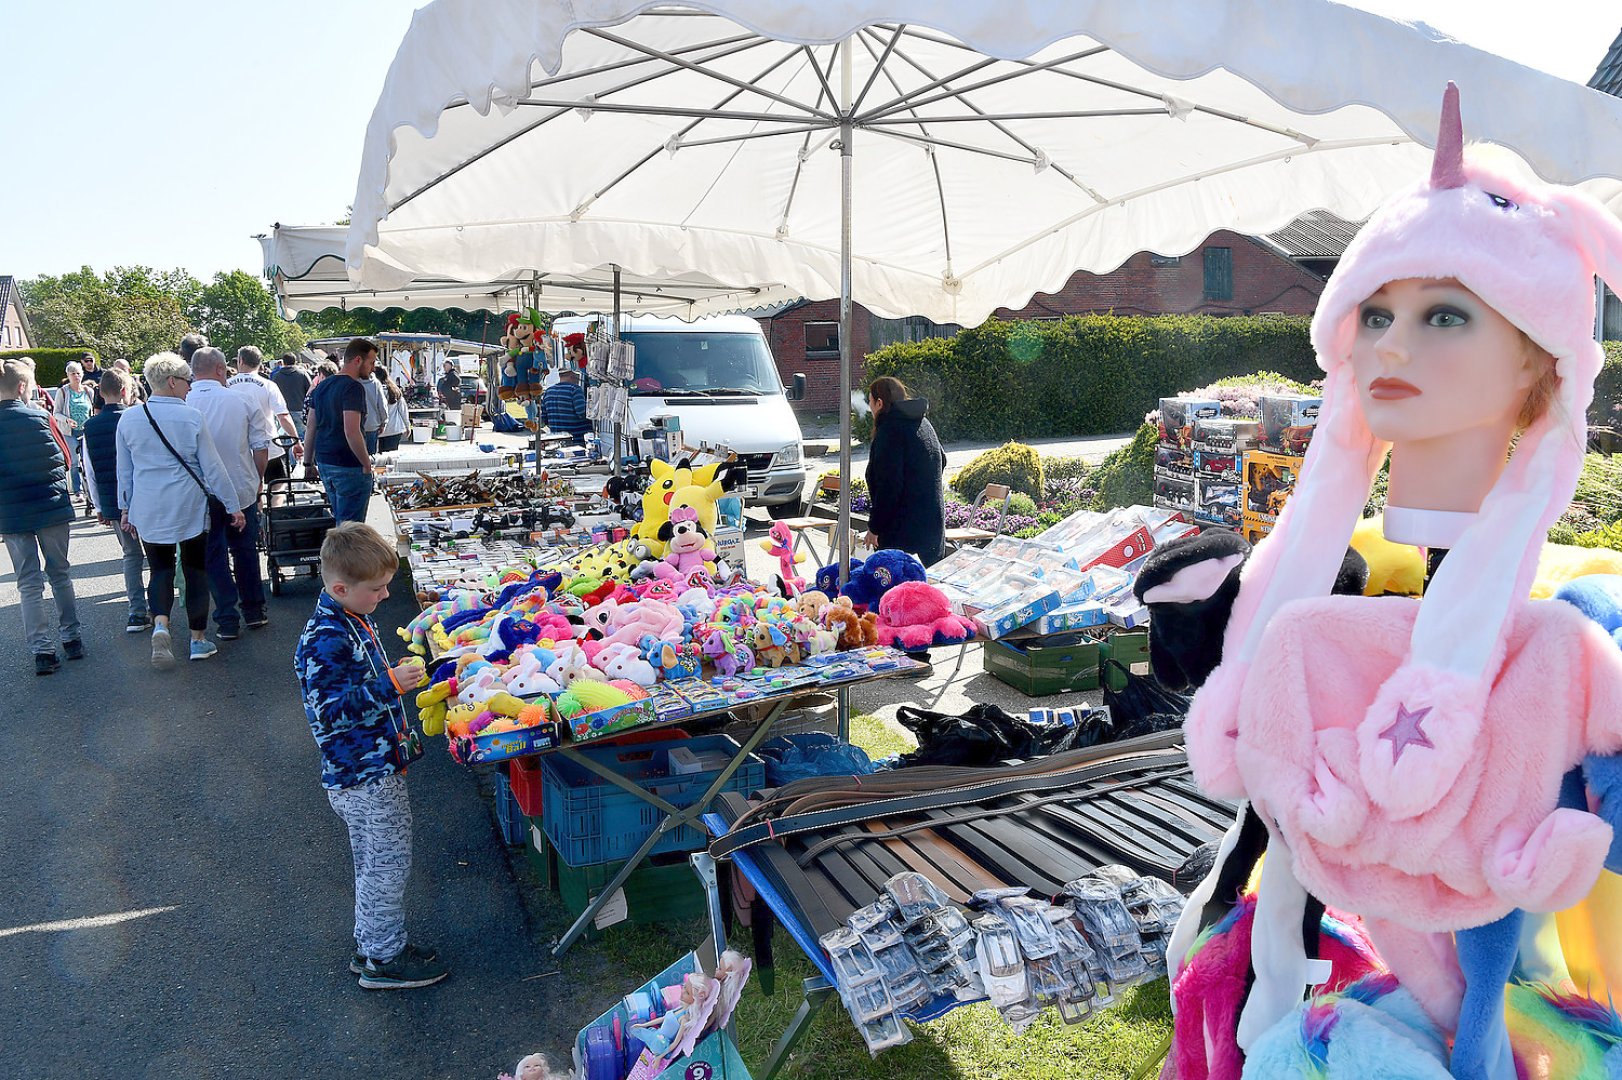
point(134, 563)
point(233, 569)
point(349, 489)
point(25, 550)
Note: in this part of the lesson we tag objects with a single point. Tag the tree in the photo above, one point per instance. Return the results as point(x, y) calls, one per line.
point(235, 309)
point(130, 311)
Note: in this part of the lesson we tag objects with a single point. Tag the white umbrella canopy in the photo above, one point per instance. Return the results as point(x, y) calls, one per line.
point(997, 147)
point(305, 267)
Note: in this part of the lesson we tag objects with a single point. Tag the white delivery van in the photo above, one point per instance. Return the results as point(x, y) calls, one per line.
point(718, 378)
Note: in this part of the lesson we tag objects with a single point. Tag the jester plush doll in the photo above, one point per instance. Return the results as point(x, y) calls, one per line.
point(1420, 763)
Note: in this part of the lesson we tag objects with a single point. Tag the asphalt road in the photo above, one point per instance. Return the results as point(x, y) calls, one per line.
point(187, 805)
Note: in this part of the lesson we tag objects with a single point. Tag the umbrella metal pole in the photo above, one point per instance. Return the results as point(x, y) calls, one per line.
point(846, 129)
point(614, 335)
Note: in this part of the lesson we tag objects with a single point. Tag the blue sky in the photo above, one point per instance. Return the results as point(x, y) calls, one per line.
point(187, 126)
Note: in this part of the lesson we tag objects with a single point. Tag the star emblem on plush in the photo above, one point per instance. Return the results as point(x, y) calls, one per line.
point(1405, 732)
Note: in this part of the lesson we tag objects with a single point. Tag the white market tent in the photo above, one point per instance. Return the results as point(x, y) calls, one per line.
point(921, 157)
point(304, 265)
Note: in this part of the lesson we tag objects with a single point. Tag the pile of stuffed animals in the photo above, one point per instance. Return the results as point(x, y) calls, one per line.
point(606, 627)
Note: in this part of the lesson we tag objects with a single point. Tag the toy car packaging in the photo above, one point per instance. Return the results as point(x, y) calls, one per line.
point(1269, 479)
point(1218, 503)
point(1287, 422)
point(1174, 492)
point(1178, 417)
point(1224, 435)
point(1174, 459)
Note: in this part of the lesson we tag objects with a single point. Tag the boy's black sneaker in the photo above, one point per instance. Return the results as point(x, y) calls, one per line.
point(404, 972)
point(138, 624)
point(227, 633)
point(357, 963)
point(257, 622)
point(46, 663)
point(73, 649)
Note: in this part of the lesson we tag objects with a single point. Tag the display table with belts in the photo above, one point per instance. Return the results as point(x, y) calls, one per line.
point(816, 851)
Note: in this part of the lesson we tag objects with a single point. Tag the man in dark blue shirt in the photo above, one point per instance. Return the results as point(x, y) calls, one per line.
point(333, 436)
point(563, 407)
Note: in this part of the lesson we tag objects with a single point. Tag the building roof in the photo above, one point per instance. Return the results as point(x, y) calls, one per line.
point(1608, 76)
point(9, 293)
point(1317, 234)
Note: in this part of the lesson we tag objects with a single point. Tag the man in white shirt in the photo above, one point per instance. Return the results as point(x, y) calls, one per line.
point(274, 417)
point(233, 422)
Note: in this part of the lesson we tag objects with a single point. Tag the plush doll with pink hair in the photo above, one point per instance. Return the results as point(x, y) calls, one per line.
point(915, 615)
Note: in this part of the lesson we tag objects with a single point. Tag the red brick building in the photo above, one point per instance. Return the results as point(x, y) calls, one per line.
point(1229, 274)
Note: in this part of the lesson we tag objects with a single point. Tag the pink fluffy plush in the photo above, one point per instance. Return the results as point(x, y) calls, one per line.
point(916, 615)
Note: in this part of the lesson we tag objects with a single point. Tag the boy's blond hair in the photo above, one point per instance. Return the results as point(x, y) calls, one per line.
point(355, 554)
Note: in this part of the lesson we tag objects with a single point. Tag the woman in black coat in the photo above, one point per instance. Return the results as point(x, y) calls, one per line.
point(904, 467)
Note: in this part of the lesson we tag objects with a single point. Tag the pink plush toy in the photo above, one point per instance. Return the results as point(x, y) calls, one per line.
point(689, 546)
point(629, 623)
point(916, 615)
point(779, 544)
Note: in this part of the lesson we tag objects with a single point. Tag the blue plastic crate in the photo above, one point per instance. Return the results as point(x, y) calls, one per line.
point(590, 821)
point(510, 819)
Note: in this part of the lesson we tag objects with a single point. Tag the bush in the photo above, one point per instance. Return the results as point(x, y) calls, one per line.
point(1064, 468)
point(1022, 504)
point(1014, 464)
point(50, 365)
point(1606, 410)
point(1084, 375)
point(1127, 476)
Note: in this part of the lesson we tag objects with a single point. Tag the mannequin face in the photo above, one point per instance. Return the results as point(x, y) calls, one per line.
point(1432, 360)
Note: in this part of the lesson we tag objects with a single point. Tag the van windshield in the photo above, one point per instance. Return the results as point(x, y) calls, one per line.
point(713, 364)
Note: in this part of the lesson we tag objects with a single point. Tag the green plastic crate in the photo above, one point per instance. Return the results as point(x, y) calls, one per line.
point(1131, 649)
point(663, 889)
point(1059, 664)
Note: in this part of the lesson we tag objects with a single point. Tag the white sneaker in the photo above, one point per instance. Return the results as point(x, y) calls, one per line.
point(163, 654)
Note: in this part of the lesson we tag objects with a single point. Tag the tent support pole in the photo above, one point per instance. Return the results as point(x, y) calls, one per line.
point(614, 335)
point(846, 130)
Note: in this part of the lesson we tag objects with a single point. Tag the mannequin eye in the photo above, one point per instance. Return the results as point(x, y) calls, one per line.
point(1447, 317)
point(1375, 319)
point(1501, 202)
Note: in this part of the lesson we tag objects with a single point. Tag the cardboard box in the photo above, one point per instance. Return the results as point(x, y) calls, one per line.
point(1178, 416)
point(1172, 459)
point(1219, 503)
point(1287, 421)
point(612, 721)
point(1174, 492)
point(1269, 479)
point(1254, 529)
point(1225, 434)
point(729, 546)
point(1221, 466)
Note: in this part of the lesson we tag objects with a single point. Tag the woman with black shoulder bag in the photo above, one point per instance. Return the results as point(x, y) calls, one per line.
point(168, 475)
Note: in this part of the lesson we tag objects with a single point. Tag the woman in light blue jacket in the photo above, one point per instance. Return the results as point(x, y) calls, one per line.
point(161, 494)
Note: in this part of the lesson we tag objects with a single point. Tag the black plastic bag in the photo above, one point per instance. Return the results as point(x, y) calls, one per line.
point(1142, 706)
point(987, 735)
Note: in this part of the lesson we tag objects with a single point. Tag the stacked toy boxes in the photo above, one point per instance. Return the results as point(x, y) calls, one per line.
point(1270, 470)
point(1174, 457)
point(1219, 449)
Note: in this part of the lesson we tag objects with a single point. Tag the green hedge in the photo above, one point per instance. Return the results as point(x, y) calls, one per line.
point(1607, 407)
point(50, 365)
point(1085, 375)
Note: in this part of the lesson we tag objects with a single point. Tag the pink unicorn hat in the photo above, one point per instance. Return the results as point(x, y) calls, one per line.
point(1530, 251)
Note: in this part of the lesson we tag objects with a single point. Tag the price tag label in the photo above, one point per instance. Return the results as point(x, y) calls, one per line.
point(614, 912)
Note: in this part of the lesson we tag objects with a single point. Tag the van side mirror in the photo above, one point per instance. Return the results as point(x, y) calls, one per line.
point(796, 390)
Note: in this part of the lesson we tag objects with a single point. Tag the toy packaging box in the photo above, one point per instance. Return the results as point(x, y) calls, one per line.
point(1174, 459)
point(1221, 466)
point(1218, 503)
point(1004, 604)
point(483, 749)
point(1269, 479)
point(1254, 529)
point(1225, 434)
point(1178, 417)
point(612, 721)
point(603, 1048)
point(1173, 491)
point(1287, 421)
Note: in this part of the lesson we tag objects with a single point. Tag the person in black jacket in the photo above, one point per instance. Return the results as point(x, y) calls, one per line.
point(35, 510)
point(904, 467)
point(101, 462)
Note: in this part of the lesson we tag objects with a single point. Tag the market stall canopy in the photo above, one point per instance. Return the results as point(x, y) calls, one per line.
point(997, 147)
point(305, 267)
